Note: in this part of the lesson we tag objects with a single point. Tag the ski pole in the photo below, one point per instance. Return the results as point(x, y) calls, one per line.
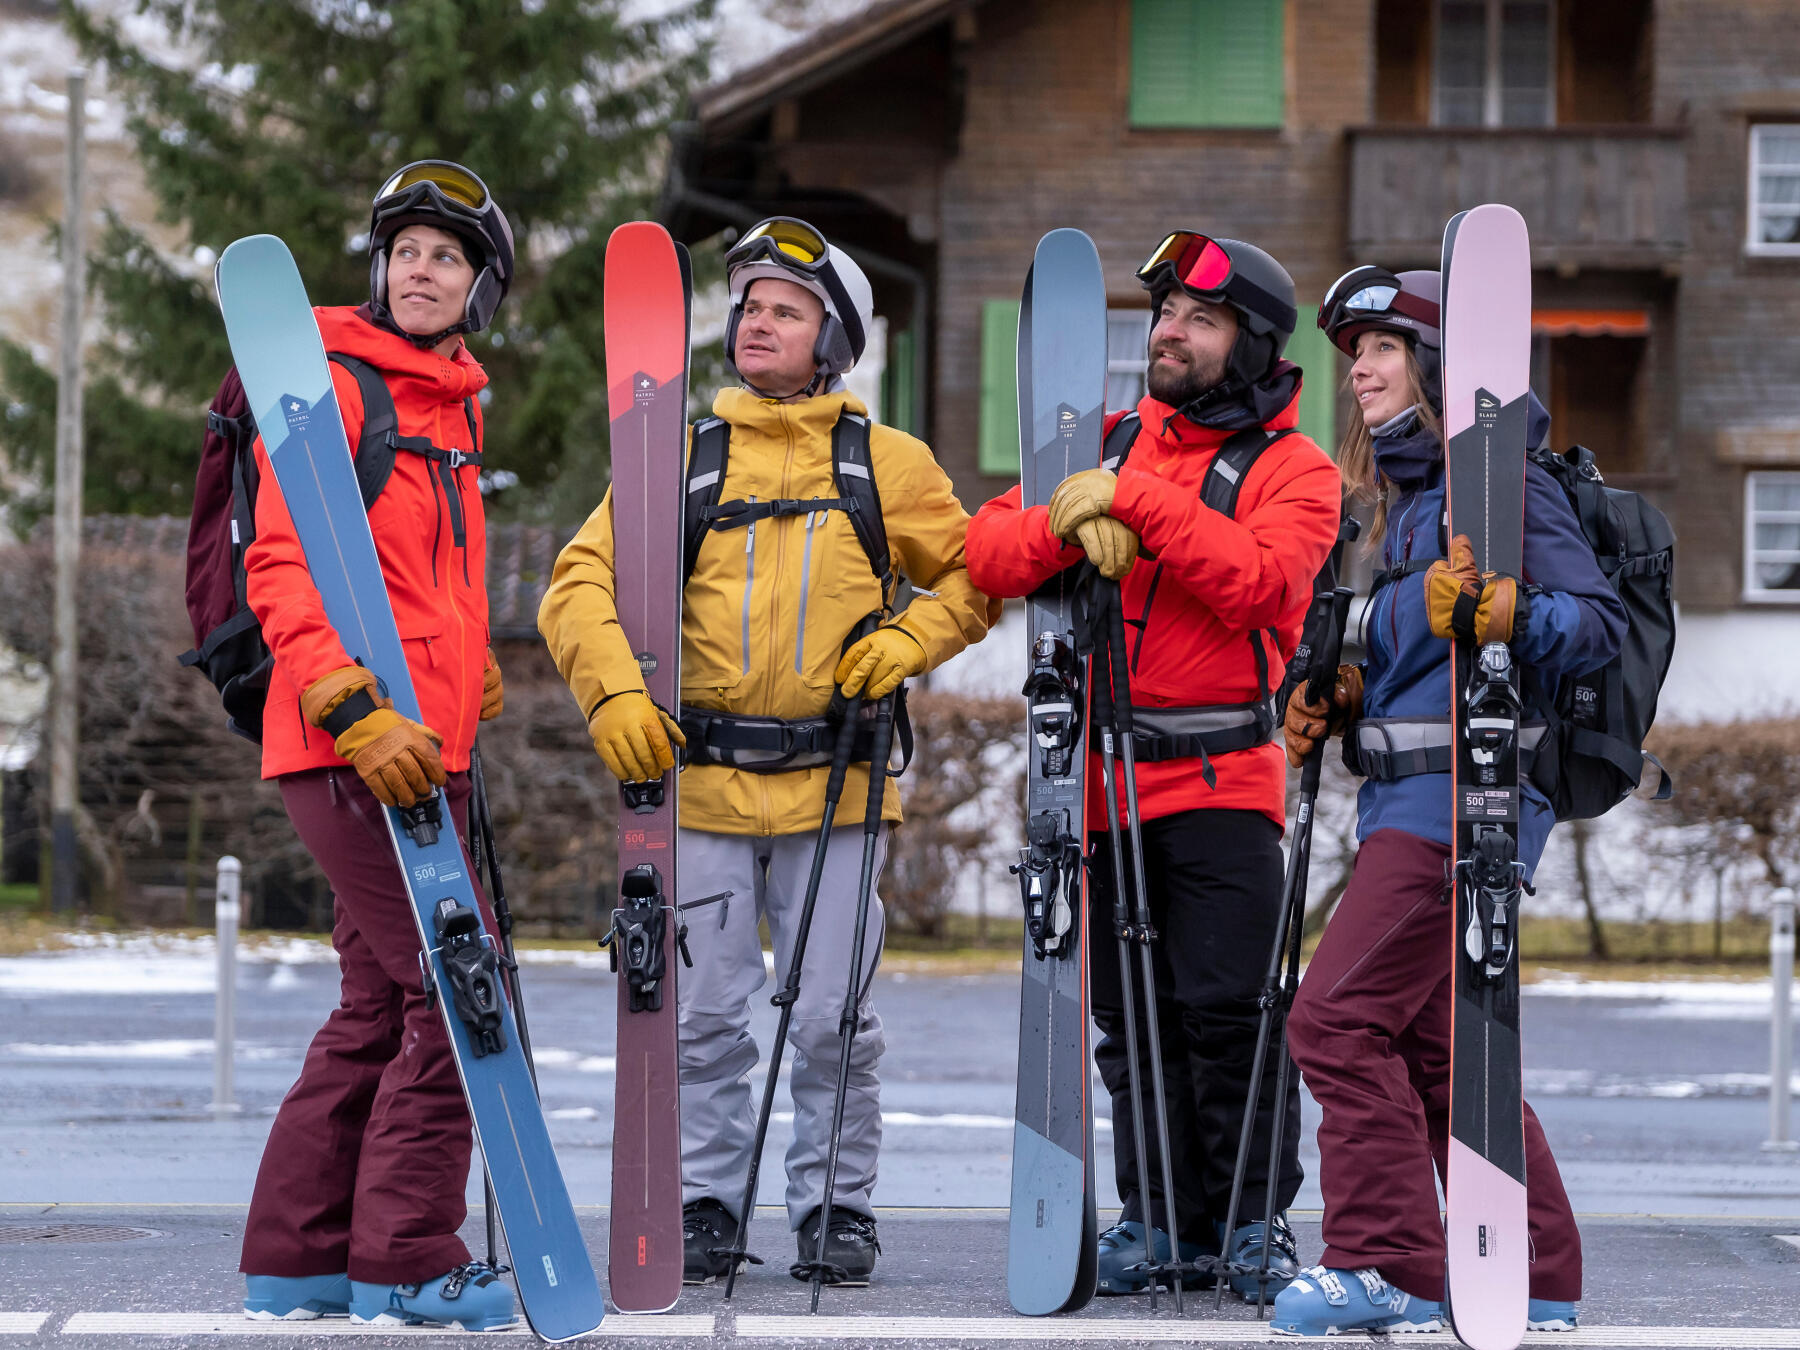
point(818, 1267)
point(790, 988)
point(1321, 647)
point(1104, 720)
point(482, 851)
point(1145, 933)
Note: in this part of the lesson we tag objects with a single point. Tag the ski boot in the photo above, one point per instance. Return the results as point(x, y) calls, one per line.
point(1245, 1250)
point(1551, 1314)
point(471, 1296)
point(1323, 1302)
point(851, 1245)
point(708, 1233)
point(1121, 1260)
point(290, 1298)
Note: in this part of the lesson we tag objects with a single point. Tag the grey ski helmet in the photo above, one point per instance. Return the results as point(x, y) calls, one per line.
point(1231, 272)
point(792, 250)
point(445, 195)
point(1407, 303)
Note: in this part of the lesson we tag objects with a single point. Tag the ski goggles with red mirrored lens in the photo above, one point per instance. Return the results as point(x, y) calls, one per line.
point(1366, 294)
point(1190, 260)
point(784, 240)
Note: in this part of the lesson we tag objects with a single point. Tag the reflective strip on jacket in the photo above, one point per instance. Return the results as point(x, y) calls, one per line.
point(438, 589)
point(769, 605)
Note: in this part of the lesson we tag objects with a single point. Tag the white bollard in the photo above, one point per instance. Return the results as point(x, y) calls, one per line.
point(1781, 1028)
point(226, 912)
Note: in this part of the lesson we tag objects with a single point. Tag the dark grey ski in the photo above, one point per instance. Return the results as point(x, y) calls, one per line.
point(1051, 1245)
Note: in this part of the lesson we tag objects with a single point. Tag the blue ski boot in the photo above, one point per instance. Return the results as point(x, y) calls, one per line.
point(1245, 1250)
point(1549, 1314)
point(295, 1298)
point(472, 1297)
point(1323, 1302)
point(1122, 1256)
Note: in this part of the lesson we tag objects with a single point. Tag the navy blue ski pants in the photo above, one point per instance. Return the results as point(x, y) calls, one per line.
point(366, 1167)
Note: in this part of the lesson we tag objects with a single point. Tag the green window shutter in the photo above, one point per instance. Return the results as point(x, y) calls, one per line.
point(1207, 63)
point(999, 443)
point(899, 381)
point(1312, 351)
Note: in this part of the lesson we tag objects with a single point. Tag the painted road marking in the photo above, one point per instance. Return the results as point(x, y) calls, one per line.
point(22, 1324)
point(236, 1324)
point(1115, 1329)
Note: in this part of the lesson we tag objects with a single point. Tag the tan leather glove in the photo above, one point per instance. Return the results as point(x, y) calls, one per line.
point(395, 756)
point(1495, 599)
point(1111, 545)
point(1306, 722)
point(633, 736)
point(493, 693)
point(875, 666)
point(1081, 496)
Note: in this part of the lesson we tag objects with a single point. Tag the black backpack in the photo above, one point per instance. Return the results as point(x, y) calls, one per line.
point(1598, 722)
point(851, 469)
point(231, 651)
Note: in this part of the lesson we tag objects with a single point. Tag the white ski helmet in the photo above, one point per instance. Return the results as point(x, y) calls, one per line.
point(792, 250)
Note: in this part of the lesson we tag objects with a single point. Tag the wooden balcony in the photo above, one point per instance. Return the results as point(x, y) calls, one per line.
point(1610, 196)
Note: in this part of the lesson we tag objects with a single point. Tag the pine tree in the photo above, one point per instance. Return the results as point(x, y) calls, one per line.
point(284, 119)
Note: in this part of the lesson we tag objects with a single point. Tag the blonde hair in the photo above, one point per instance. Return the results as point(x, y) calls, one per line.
point(1356, 453)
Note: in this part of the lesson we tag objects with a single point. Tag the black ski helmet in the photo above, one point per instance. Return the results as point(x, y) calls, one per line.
point(439, 193)
point(1407, 303)
point(1231, 272)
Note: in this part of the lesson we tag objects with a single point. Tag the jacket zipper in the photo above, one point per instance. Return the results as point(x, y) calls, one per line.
point(749, 585)
point(805, 586)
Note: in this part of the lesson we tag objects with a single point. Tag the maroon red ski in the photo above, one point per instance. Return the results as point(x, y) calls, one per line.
point(646, 317)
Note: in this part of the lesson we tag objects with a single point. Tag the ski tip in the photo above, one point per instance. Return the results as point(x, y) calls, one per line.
point(1067, 241)
point(638, 232)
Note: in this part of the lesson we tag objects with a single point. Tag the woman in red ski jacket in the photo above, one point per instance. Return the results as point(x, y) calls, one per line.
point(360, 1193)
point(1213, 601)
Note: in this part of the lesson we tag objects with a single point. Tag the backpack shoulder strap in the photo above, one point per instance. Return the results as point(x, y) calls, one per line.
point(853, 471)
point(381, 423)
point(1231, 465)
point(1119, 441)
point(705, 482)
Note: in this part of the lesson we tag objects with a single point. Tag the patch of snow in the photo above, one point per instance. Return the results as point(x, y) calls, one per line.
point(155, 1050)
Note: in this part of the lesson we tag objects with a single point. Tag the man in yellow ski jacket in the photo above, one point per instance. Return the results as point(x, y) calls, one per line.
point(777, 592)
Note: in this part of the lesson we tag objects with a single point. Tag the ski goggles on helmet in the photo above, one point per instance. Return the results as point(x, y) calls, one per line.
point(784, 240)
point(1203, 267)
point(1369, 295)
point(449, 188)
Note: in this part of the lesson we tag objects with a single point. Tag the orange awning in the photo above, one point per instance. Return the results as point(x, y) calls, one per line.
point(1590, 322)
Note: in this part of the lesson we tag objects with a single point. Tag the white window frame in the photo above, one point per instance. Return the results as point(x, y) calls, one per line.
point(1138, 366)
point(1490, 87)
point(1752, 245)
point(1752, 593)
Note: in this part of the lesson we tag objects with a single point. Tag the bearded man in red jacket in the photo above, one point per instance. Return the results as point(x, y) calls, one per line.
point(1213, 597)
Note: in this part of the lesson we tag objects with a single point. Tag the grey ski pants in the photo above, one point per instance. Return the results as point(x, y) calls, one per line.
point(718, 1102)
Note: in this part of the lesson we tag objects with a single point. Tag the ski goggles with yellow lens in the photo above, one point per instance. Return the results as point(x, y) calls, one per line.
point(451, 186)
point(784, 240)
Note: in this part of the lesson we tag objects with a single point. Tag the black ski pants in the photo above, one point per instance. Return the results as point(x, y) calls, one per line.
point(1214, 882)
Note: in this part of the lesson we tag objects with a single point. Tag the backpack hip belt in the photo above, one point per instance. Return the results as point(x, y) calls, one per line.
point(1188, 733)
point(779, 744)
point(1386, 749)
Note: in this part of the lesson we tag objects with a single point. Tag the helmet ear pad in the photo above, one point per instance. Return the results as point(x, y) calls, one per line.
point(832, 352)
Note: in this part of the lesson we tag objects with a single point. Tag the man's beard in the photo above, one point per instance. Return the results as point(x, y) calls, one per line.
point(1180, 386)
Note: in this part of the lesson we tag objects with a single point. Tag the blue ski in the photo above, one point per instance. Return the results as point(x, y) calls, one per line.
point(281, 359)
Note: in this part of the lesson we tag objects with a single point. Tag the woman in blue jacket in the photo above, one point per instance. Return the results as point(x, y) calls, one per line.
point(1370, 1033)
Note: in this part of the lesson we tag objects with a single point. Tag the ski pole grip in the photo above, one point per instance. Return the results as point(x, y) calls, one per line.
point(878, 758)
point(843, 749)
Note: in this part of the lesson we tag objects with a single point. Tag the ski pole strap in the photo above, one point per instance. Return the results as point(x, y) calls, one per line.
point(778, 744)
point(1386, 749)
point(1190, 733)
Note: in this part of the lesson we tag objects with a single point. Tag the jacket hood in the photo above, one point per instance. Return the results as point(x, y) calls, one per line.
point(1274, 403)
point(446, 379)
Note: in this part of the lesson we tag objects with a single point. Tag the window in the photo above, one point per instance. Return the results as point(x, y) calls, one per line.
point(1206, 63)
point(997, 450)
point(1772, 536)
point(1127, 355)
point(1775, 189)
point(1495, 64)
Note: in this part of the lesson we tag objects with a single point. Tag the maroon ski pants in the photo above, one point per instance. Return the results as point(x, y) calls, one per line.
point(1370, 1031)
point(366, 1165)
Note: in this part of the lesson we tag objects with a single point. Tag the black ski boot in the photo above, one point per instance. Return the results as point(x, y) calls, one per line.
point(851, 1246)
point(707, 1234)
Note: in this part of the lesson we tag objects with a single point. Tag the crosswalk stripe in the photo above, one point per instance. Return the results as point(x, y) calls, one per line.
point(622, 1325)
point(22, 1323)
